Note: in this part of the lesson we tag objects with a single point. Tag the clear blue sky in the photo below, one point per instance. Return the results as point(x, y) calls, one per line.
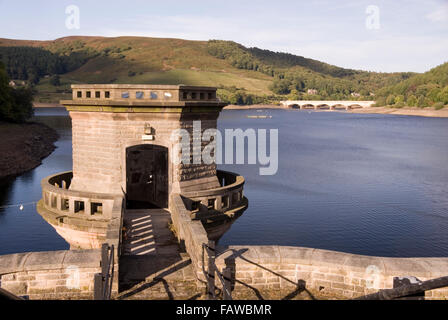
point(411, 35)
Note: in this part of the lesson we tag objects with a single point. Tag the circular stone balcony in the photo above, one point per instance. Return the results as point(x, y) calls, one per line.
point(81, 218)
point(84, 219)
point(226, 201)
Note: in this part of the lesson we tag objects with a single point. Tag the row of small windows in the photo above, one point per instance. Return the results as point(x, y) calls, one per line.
point(124, 95)
point(97, 94)
point(152, 95)
point(194, 95)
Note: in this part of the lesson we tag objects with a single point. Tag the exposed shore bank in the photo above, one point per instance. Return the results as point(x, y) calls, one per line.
point(46, 105)
point(407, 111)
point(254, 106)
point(23, 146)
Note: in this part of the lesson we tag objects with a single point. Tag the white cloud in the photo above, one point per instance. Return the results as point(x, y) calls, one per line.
point(384, 54)
point(439, 15)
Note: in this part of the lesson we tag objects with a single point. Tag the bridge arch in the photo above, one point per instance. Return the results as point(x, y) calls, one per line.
point(338, 106)
point(307, 106)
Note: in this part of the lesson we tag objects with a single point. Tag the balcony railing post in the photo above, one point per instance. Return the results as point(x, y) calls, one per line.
point(211, 270)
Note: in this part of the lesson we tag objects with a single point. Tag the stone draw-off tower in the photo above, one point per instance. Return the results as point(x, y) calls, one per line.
point(122, 149)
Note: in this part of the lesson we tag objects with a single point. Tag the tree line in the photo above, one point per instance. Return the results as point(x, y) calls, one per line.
point(16, 105)
point(429, 89)
point(32, 63)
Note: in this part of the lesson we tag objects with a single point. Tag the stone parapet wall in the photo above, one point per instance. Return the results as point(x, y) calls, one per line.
point(337, 274)
point(86, 220)
point(66, 203)
point(224, 198)
point(50, 275)
point(190, 233)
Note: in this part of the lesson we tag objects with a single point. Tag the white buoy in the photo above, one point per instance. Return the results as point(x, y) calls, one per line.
point(21, 207)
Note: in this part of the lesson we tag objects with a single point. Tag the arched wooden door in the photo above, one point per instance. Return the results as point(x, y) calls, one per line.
point(147, 174)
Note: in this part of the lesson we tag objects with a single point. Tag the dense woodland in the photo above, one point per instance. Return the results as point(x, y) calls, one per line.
point(429, 89)
point(15, 104)
point(31, 64)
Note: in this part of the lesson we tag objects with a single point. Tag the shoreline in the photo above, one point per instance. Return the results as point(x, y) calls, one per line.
point(24, 146)
point(254, 106)
point(47, 105)
point(406, 111)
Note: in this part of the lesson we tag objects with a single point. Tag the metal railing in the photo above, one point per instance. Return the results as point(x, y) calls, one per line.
point(225, 277)
point(6, 295)
point(102, 288)
point(407, 288)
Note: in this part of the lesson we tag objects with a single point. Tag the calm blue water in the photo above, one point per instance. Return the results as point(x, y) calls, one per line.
point(22, 231)
point(366, 184)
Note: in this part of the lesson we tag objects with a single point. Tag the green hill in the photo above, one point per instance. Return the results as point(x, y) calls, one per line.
point(429, 89)
point(243, 75)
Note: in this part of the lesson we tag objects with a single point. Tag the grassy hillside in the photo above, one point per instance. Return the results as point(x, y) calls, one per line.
point(244, 75)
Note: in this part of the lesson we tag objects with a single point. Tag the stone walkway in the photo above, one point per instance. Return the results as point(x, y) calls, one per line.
point(152, 265)
point(147, 233)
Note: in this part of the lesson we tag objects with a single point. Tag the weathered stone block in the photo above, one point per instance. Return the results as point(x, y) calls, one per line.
point(15, 287)
point(8, 277)
point(343, 286)
point(33, 290)
point(335, 278)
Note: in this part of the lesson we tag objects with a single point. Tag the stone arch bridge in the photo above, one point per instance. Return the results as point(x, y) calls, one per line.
point(326, 104)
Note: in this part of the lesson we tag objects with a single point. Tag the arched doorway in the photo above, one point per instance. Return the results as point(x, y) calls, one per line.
point(147, 176)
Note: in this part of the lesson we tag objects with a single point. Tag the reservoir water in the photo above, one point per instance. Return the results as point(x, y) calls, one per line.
point(358, 183)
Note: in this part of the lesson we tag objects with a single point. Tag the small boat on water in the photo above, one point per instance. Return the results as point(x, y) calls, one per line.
point(259, 117)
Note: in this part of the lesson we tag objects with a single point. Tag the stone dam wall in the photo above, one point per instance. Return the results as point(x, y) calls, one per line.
point(257, 269)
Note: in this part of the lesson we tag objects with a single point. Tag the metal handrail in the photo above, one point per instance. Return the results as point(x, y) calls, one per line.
point(224, 277)
point(8, 295)
point(408, 288)
point(103, 281)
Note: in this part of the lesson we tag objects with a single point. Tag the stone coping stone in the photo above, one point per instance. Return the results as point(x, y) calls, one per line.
point(141, 86)
point(423, 267)
point(104, 103)
point(49, 260)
